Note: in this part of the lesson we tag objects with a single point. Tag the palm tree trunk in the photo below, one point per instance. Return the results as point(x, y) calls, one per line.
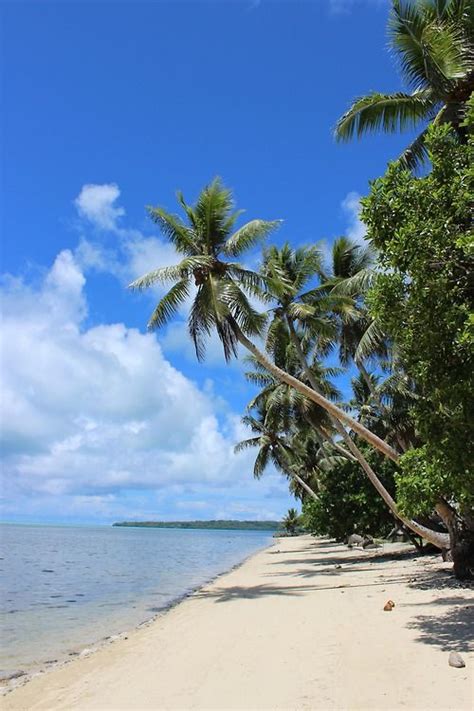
point(288, 468)
point(316, 397)
point(302, 483)
point(368, 382)
point(323, 436)
point(437, 539)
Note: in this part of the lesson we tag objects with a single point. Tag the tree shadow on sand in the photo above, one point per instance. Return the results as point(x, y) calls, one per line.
point(241, 592)
point(453, 629)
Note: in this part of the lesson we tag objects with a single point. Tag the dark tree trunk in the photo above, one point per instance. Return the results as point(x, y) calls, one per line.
point(461, 540)
point(462, 552)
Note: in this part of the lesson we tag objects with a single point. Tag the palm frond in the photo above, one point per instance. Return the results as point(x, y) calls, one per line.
point(169, 304)
point(174, 229)
point(249, 319)
point(248, 235)
point(356, 285)
point(300, 311)
point(416, 154)
point(277, 339)
point(431, 50)
point(202, 318)
point(389, 112)
point(261, 461)
point(179, 271)
point(246, 444)
point(249, 280)
point(258, 379)
point(372, 342)
point(212, 210)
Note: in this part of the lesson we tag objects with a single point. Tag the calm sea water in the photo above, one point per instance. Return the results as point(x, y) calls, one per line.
point(65, 588)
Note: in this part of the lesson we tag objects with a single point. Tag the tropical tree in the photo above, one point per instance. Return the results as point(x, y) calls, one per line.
point(350, 274)
point(361, 339)
point(347, 502)
point(286, 274)
point(423, 298)
point(206, 240)
point(272, 447)
point(433, 43)
point(287, 410)
point(290, 521)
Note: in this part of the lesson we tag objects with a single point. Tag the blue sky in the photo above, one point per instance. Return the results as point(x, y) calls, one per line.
point(108, 107)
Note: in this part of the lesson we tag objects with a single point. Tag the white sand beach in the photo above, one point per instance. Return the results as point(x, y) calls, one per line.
point(300, 625)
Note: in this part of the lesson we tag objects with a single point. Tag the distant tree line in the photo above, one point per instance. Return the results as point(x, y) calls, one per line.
point(214, 525)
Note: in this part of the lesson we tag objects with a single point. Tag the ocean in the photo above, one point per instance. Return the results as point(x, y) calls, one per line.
point(64, 588)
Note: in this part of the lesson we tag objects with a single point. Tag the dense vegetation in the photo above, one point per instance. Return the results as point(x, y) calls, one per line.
point(396, 311)
point(209, 525)
point(348, 503)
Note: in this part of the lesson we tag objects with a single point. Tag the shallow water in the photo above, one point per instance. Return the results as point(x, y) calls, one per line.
point(64, 588)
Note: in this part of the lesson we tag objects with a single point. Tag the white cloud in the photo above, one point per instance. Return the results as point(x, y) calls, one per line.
point(96, 204)
point(133, 254)
point(356, 229)
point(92, 413)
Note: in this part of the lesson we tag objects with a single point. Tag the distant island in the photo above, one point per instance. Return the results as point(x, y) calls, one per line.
point(220, 524)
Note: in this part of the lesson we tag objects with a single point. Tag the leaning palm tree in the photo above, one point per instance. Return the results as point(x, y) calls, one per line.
point(207, 242)
point(433, 43)
point(288, 410)
point(287, 274)
point(360, 338)
point(273, 448)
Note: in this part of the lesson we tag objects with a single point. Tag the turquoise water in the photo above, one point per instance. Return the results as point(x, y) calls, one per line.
point(64, 588)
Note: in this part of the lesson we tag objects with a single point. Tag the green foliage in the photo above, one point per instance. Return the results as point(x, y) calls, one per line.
point(423, 301)
point(290, 521)
point(347, 501)
point(205, 239)
point(420, 481)
point(432, 41)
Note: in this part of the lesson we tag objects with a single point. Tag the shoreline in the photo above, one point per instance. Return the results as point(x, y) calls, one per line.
point(300, 625)
point(45, 667)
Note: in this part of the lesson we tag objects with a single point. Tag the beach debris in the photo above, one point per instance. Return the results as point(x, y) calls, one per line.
point(389, 605)
point(338, 567)
point(455, 660)
point(12, 674)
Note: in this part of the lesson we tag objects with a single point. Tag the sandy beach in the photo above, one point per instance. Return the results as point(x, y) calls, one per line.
point(300, 625)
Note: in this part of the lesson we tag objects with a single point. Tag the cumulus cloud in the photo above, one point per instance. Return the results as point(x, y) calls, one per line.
point(96, 203)
point(95, 414)
point(355, 229)
point(133, 253)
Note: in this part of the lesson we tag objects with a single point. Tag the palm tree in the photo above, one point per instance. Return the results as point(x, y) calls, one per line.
point(206, 241)
point(351, 273)
point(290, 521)
point(433, 43)
point(286, 274)
point(286, 409)
point(272, 447)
